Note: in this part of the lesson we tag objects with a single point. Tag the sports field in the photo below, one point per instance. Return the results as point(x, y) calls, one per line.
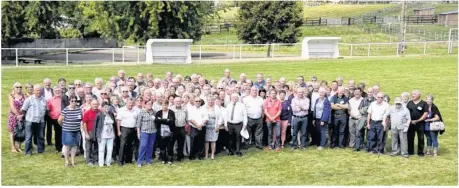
point(430, 74)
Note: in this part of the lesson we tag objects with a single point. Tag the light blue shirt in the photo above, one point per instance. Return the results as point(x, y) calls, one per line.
point(35, 108)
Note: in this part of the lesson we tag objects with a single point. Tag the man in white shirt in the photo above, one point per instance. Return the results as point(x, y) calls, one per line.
point(157, 86)
point(198, 117)
point(237, 121)
point(254, 106)
point(126, 124)
point(354, 116)
point(377, 112)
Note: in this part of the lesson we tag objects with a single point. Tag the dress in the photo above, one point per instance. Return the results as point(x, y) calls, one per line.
point(211, 133)
point(11, 115)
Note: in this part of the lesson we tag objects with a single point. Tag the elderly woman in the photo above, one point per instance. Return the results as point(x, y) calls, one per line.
point(321, 115)
point(104, 132)
point(285, 116)
point(212, 127)
point(70, 120)
point(115, 104)
point(146, 132)
point(28, 90)
point(15, 99)
point(432, 116)
point(405, 98)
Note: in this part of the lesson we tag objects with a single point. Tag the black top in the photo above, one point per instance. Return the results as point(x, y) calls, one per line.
point(417, 110)
point(170, 121)
point(339, 100)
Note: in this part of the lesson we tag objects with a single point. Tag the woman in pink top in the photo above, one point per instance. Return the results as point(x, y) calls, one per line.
point(15, 99)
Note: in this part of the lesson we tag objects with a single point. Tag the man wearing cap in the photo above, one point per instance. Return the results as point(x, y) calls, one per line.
point(377, 112)
point(400, 121)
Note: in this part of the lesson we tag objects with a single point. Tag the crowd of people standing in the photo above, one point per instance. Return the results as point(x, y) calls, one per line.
point(129, 119)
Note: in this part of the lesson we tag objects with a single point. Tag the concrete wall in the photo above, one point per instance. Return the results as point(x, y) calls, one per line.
point(53, 43)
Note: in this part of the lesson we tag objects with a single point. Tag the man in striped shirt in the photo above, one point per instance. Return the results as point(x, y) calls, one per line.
point(34, 108)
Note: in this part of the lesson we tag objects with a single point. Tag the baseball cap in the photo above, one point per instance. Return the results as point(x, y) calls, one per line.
point(398, 100)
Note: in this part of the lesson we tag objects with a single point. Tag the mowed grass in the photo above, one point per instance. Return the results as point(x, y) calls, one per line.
point(430, 74)
point(342, 10)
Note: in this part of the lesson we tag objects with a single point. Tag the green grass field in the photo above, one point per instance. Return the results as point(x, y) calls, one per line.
point(430, 74)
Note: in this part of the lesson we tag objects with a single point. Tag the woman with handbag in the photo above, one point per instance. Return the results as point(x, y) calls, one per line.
point(432, 127)
point(16, 99)
point(165, 123)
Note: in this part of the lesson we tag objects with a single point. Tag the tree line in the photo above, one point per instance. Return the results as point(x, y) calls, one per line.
point(137, 21)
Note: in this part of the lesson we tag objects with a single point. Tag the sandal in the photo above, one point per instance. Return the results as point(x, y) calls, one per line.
point(14, 150)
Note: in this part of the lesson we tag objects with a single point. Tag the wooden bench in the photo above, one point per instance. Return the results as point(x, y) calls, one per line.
point(27, 60)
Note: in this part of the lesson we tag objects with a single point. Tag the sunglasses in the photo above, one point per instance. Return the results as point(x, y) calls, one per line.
point(71, 87)
point(73, 100)
point(20, 87)
point(220, 88)
point(197, 101)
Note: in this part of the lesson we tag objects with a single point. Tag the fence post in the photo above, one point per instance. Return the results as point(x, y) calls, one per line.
point(369, 46)
point(123, 54)
point(67, 56)
point(200, 51)
point(425, 48)
point(240, 51)
point(272, 47)
point(113, 55)
point(138, 55)
point(352, 47)
point(234, 51)
point(17, 60)
point(398, 45)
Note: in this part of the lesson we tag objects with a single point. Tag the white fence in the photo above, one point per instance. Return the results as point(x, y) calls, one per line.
point(136, 54)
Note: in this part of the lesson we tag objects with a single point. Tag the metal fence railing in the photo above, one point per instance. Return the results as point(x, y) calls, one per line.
point(137, 55)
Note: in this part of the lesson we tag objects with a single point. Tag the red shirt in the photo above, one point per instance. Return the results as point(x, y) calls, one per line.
point(89, 117)
point(54, 107)
point(273, 107)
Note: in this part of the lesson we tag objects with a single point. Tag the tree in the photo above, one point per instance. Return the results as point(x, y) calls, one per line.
point(269, 22)
point(43, 19)
point(13, 20)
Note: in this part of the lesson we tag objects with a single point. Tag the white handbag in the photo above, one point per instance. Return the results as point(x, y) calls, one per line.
point(437, 126)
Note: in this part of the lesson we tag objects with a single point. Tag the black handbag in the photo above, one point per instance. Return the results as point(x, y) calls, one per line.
point(19, 132)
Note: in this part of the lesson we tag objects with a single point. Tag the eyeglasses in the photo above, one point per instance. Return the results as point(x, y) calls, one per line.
point(121, 85)
point(103, 93)
point(197, 101)
point(125, 91)
point(78, 84)
point(379, 97)
point(20, 87)
point(71, 87)
point(73, 100)
point(220, 88)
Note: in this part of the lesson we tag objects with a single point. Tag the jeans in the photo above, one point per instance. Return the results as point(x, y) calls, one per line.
point(299, 124)
point(322, 131)
point(432, 138)
point(376, 137)
point(273, 126)
point(147, 141)
point(339, 126)
point(105, 143)
point(37, 130)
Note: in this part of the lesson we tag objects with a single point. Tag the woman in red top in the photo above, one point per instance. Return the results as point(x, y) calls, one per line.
point(272, 108)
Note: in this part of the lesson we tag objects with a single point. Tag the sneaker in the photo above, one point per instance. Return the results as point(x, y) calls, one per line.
point(170, 163)
point(320, 148)
point(393, 154)
point(66, 165)
point(303, 148)
point(294, 148)
point(164, 162)
point(405, 156)
point(90, 164)
point(139, 165)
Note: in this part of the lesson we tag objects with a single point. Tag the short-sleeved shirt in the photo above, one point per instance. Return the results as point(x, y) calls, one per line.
point(417, 110)
point(398, 117)
point(72, 119)
point(89, 117)
point(107, 130)
point(128, 117)
point(378, 111)
point(339, 100)
point(272, 107)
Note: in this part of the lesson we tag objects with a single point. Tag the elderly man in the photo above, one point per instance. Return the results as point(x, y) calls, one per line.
point(54, 107)
point(300, 81)
point(130, 85)
point(351, 88)
point(99, 87)
point(354, 117)
point(339, 104)
point(71, 90)
point(140, 80)
point(120, 84)
point(254, 107)
point(376, 90)
point(376, 122)
point(181, 119)
point(78, 84)
point(80, 96)
point(169, 76)
point(198, 117)
point(226, 79)
point(47, 93)
point(400, 120)
point(314, 79)
point(334, 88)
point(124, 95)
point(282, 82)
point(88, 90)
point(363, 108)
point(159, 97)
point(242, 78)
point(260, 83)
point(126, 125)
point(34, 108)
point(237, 121)
point(91, 145)
point(149, 76)
point(362, 86)
point(340, 81)
point(418, 112)
point(122, 75)
point(313, 96)
point(157, 86)
point(300, 109)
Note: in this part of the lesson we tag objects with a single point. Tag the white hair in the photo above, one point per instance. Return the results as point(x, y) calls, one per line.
point(322, 89)
point(46, 80)
point(405, 94)
point(98, 79)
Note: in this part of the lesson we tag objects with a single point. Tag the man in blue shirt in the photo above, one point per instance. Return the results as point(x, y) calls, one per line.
point(339, 104)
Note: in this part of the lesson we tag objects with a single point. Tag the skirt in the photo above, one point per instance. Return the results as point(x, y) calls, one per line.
point(70, 138)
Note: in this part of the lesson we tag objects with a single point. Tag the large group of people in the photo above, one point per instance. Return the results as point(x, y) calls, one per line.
point(130, 119)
